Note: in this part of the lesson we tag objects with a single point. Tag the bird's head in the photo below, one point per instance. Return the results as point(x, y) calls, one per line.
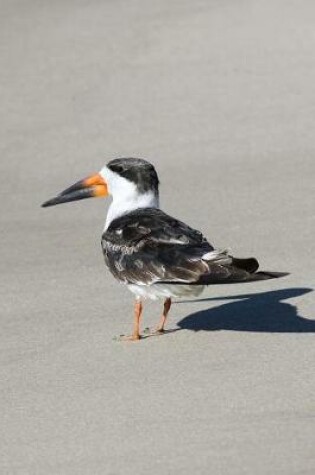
point(123, 178)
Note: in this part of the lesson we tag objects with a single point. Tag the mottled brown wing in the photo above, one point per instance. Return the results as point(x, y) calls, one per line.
point(148, 246)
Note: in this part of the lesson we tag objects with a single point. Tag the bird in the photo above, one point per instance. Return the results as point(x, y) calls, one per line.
point(154, 254)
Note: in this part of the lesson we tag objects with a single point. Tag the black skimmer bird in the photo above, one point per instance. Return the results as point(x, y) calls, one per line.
point(154, 254)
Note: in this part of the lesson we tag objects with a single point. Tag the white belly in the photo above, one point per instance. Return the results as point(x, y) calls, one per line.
point(162, 291)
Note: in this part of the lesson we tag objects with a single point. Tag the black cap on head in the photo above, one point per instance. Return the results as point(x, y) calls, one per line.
point(141, 172)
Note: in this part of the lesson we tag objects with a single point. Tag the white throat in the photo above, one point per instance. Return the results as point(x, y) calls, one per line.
point(126, 197)
point(121, 206)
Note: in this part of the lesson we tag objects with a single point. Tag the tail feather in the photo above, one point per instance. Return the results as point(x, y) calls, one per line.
point(265, 275)
point(226, 269)
point(250, 265)
point(239, 276)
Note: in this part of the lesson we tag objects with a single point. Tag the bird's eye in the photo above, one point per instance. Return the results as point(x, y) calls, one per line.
point(119, 169)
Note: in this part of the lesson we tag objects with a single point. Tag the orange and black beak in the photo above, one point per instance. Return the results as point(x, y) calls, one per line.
point(90, 187)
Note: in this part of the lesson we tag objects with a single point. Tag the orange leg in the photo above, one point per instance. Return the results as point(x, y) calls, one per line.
point(136, 323)
point(166, 309)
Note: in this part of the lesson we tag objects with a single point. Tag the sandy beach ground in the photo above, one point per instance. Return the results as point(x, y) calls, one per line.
point(220, 96)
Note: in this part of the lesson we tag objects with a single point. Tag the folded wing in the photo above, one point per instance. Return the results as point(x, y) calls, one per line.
point(147, 247)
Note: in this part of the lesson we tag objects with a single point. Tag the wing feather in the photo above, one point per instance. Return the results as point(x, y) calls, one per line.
point(147, 246)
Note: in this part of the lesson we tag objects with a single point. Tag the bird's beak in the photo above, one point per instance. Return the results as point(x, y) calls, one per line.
point(90, 187)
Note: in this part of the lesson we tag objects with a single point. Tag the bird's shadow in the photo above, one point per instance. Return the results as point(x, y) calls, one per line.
point(263, 312)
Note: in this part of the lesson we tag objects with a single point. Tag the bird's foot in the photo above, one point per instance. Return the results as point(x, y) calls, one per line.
point(128, 338)
point(154, 332)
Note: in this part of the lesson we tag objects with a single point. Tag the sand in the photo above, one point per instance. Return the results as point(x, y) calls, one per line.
point(220, 97)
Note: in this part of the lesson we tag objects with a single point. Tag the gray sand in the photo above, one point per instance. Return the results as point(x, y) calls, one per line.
point(220, 96)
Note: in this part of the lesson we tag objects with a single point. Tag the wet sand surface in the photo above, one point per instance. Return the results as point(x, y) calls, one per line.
point(220, 97)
